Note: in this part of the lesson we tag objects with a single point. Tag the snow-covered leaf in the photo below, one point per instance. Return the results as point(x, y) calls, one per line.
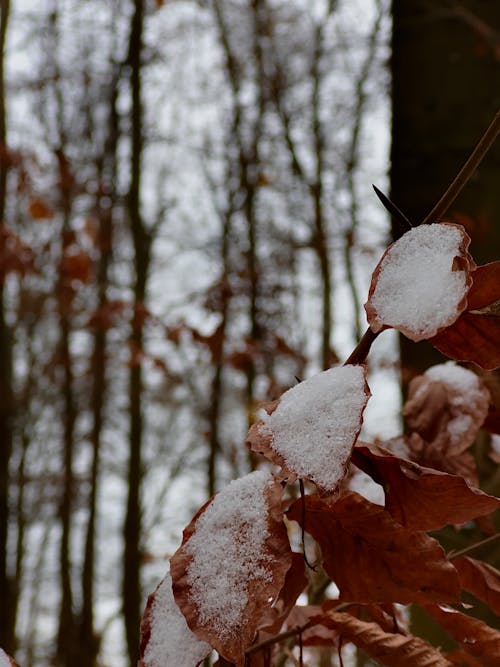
point(475, 336)
point(387, 648)
point(370, 557)
point(447, 406)
point(420, 285)
point(312, 429)
point(165, 637)
point(422, 498)
point(232, 563)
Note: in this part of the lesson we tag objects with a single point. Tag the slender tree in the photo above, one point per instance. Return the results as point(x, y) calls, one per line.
point(6, 404)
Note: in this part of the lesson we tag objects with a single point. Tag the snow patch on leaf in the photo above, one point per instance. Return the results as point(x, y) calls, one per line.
point(420, 285)
point(465, 405)
point(316, 423)
point(232, 564)
point(227, 551)
point(165, 633)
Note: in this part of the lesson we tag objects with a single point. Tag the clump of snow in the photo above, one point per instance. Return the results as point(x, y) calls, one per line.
point(171, 642)
point(316, 424)
point(467, 397)
point(228, 552)
point(4, 659)
point(418, 288)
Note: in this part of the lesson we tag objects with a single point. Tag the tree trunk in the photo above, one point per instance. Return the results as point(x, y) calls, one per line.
point(7, 630)
point(445, 72)
point(445, 93)
point(131, 587)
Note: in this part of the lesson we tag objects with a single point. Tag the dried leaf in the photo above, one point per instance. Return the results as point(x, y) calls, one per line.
point(317, 635)
point(447, 406)
point(39, 209)
point(421, 498)
point(462, 659)
point(420, 285)
point(76, 265)
point(372, 558)
point(429, 455)
point(475, 335)
point(480, 579)
point(389, 649)
point(15, 255)
point(312, 428)
point(475, 637)
point(165, 636)
point(232, 564)
point(295, 582)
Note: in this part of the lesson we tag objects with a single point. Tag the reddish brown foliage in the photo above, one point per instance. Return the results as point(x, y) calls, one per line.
point(480, 579)
point(422, 498)
point(295, 582)
point(475, 637)
point(261, 590)
point(475, 335)
point(390, 649)
point(372, 558)
point(15, 255)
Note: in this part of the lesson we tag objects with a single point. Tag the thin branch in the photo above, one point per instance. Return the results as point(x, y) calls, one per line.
point(360, 352)
point(472, 547)
point(466, 172)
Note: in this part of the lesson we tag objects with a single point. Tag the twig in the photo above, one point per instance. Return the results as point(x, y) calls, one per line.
point(298, 630)
point(473, 547)
point(279, 638)
point(466, 172)
point(360, 352)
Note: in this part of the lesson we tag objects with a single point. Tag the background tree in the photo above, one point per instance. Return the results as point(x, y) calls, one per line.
point(445, 60)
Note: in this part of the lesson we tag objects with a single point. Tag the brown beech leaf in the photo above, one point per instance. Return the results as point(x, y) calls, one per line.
point(429, 455)
point(232, 564)
point(480, 579)
point(447, 406)
point(317, 635)
point(492, 381)
point(6, 660)
point(475, 637)
point(311, 430)
point(421, 498)
point(387, 648)
point(295, 582)
point(475, 336)
point(372, 558)
point(39, 209)
point(165, 636)
point(15, 255)
point(420, 285)
point(463, 659)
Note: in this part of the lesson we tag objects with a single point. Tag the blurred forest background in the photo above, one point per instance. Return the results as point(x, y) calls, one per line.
point(187, 226)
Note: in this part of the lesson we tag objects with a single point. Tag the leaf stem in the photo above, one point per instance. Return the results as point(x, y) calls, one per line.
point(464, 175)
point(360, 352)
point(472, 547)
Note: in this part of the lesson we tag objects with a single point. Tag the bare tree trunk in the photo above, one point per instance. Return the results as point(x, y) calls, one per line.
point(107, 178)
point(7, 629)
point(131, 588)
